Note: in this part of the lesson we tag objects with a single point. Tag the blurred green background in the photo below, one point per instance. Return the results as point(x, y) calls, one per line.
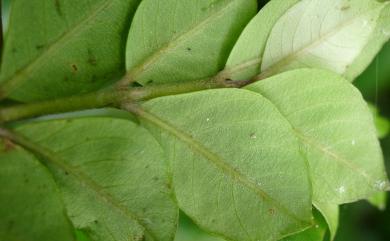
point(358, 221)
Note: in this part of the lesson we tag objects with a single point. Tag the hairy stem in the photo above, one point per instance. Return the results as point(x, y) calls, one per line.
point(110, 97)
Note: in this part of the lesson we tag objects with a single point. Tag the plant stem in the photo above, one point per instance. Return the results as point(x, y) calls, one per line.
point(93, 100)
point(110, 97)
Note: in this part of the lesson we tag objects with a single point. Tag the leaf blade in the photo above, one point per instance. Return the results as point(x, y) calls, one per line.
point(319, 35)
point(113, 188)
point(186, 40)
point(29, 190)
point(73, 47)
point(245, 59)
point(314, 101)
point(315, 233)
point(210, 186)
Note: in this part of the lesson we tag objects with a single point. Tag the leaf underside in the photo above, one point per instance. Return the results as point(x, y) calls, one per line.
point(183, 40)
point(236, 166)
point(31, 206)
point(334, 123)
point(72, 47)
point(112, 175)
point(245, 59)
point(315, 233)
point(339, 35)
point(243, 164)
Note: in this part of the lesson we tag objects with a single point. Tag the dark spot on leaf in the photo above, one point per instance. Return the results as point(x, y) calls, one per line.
point(150, 82)
point(189, 49)
point(57, 5)
point(13, 50)
point(136, 84)
point(345, 7)
point(8, 145)
point(228, 80)
point(155, 179)
point(271, 211)
point(140, 238)
point(169, 185)
point(91, 58)
point(147, 166)
point(253, 135)
point(66, 173)
point(39, 46)
point(66, 79)
point(96, 221)
point(75, 68)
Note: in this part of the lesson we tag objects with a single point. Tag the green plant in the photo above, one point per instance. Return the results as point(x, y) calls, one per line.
point(242, 126)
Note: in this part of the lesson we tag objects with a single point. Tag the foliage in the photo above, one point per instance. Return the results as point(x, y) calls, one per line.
point(246, 122)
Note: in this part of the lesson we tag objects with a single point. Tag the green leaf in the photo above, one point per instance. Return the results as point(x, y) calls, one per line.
point(30, 204)
point(62, 47)
point(245, 59)
point(336, 127)
point(182, 40)
point(236, 165)
point(112, 174)
point(315, 233)
point(81, 236)
point(330, 212)
point(338, 35)
point(382, 124)
point(379, 200)
point(188, 231)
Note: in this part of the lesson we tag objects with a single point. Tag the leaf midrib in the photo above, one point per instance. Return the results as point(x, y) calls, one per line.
point(312, 142)
point(216, 160)
point(139, 69)
point(51, 157)
point(293, 55)
point(335, 156)
point(238, 68)
point(53, 47)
